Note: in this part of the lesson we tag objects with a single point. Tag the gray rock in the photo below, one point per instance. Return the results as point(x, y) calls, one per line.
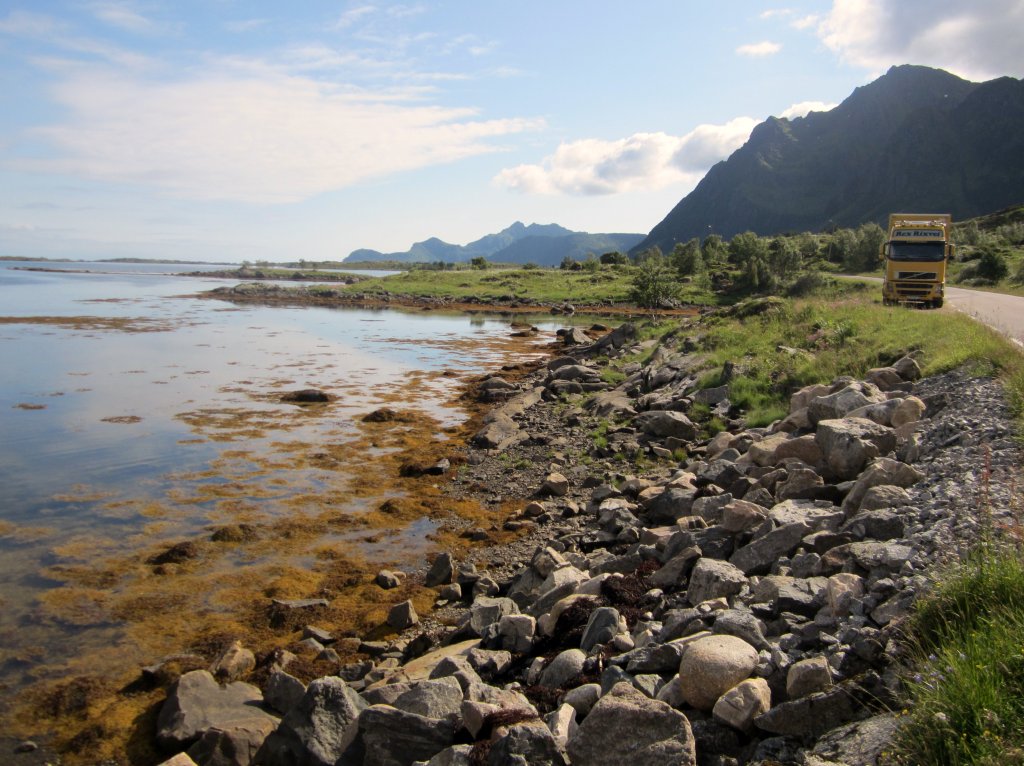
point(601, 628)
point(713, 665)
point(516, 632)
point(884, 496)
point(676, 569)
point(563, 668)
point(456, 755)
point(236, 746)
point(402, 616)
point(442, 570)
point(758, 556)
point(583, 698)
point(626, 727)
point(860, 743)
point(282, 691)
point(838, 404)
point(907, 368)
point(666, 423)
point(489, 663)
point(396, 738)
point(739, 706)
point(555, 485)
point(499, 433)
point(882, 471)
point(712, 579)
point(529, 742)
point(810, 716)
point(387, 579)
point(808, 676)
point(487, 611)
point(438, 698)
point(459, 668)
point(235, 663)
point(742, 624)
point(319, 729)
point(848, 444)
point(196, 703)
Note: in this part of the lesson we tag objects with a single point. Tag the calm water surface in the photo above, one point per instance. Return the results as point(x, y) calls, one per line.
point(119, 391)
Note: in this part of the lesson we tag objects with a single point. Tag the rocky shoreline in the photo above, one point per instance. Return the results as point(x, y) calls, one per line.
point(735, 600)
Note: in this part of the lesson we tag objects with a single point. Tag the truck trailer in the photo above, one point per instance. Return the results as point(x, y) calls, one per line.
point(915, 254)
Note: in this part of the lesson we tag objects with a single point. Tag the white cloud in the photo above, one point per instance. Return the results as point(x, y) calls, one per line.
point(772, 13)
point(806, 22)
point(351, 16)
point(763, 48)
point(977, 40)
point(47, 29)
point(806, 107)
point(255, 139)
point(122, 15)
point(642, 161)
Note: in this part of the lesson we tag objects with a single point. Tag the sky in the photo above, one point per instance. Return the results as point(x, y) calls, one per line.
point(226, 130)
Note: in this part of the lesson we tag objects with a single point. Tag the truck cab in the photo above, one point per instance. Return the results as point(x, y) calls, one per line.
point(915, 254)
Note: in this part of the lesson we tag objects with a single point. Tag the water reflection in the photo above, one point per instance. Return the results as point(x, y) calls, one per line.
point(115, 438)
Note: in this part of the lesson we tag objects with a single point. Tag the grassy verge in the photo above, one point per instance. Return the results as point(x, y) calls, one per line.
point(784, 346)
point(967, 691)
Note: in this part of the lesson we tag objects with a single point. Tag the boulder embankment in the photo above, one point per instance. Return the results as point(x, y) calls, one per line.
point(673, 599)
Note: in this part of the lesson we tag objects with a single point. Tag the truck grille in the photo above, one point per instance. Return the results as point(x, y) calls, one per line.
point(929, 275)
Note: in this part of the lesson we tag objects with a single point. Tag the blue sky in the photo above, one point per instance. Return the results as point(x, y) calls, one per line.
point(230, 130)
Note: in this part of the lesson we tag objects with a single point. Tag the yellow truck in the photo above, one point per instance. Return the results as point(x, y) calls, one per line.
point(915, 255)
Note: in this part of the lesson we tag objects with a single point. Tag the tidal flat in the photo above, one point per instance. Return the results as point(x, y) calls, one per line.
point(158, 492)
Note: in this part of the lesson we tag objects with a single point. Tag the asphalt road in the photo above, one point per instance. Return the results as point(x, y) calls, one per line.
point(1004, 313)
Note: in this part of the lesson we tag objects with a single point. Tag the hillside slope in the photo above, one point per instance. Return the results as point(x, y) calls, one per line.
point(914, 139)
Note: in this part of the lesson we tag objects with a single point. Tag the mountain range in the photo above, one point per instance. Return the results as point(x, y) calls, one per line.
point(915, 139)
point(542, 244)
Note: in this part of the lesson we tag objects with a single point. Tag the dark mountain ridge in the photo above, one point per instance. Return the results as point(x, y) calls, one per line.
point(915, 139)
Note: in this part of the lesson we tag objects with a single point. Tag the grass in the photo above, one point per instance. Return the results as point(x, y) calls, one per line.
point(967, 691)
point(815, 340)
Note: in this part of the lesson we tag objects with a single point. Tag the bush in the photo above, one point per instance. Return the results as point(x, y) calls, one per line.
point(655, 282)
point(992, 266)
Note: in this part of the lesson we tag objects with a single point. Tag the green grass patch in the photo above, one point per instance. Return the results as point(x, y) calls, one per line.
point(806, 341)
point(967, 689)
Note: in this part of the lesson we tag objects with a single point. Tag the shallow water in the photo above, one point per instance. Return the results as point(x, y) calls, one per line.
point(132, 414)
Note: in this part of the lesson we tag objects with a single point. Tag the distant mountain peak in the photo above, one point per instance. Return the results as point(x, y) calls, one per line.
point(915, 138)
point(545, 244)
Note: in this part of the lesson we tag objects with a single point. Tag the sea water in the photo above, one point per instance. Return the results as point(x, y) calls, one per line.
point(124, 396)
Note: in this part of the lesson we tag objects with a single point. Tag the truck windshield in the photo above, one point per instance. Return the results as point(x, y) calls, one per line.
point(917, 251)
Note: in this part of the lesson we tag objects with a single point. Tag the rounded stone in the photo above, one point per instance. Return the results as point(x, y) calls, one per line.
point(713, 665)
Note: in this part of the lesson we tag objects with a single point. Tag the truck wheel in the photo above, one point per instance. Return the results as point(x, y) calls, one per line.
point(937, 303)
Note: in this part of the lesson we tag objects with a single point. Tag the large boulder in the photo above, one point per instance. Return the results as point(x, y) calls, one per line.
point(848, 444)
point(396, 738)
point(713, 665)
point(666, 423)
point(626, 727)
point(196, 704)
point(318, 730)
point(842, 402)
point(712, 579)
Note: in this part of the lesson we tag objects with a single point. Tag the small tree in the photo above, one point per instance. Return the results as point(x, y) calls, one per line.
point(863, 256)
point(687, 258)
point(614, 258)
point(783, 259)
point(714, 251)
point(746, 247)
point(479, 262)
point(654, 284)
